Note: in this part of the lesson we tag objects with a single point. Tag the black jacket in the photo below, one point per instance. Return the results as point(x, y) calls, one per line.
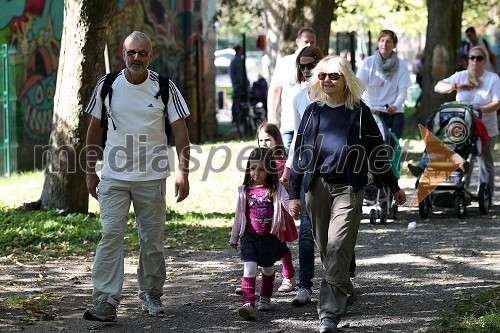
point(366, 151)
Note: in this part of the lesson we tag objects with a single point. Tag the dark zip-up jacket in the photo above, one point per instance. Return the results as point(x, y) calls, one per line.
point(366, 151)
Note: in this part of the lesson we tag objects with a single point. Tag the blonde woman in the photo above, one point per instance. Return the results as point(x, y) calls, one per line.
point(478, 87)
point(336, 137)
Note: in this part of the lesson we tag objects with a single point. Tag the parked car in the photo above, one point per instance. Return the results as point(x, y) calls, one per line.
point(253, 64)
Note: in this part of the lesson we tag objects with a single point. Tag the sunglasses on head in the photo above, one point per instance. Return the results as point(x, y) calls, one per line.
point(331, 76)
point(478, 58)
point(309, 66)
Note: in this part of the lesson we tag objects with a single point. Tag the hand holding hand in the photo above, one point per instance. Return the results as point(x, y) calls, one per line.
point(295, 207)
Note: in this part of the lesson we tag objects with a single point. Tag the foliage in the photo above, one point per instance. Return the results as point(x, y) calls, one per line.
point(475, 14)
point(405, 17)
point(234, 17)
point(478, 314)
point(376, 15)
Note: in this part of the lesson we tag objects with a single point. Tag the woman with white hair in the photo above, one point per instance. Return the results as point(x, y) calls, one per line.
point(337, 143)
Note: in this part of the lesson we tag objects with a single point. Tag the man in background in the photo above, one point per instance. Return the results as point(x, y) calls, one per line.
point(239, 81)
point(491, 61)
point(284, 86)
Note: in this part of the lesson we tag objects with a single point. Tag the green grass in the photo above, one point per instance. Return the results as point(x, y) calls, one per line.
point(478, 314)
point(202, 221)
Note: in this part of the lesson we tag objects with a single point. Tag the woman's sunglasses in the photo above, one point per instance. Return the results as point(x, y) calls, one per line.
point(331, 76)
point(309, 66)
point(478, 58)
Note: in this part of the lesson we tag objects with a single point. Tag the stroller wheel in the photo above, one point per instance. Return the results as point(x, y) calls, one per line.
point(424, 207)
point(460, 206)
point(373, 216)
point(484, 198)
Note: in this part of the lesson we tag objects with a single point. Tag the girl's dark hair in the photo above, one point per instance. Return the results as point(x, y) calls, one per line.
point(266, 156)
point(279, 151)
point(308, 51)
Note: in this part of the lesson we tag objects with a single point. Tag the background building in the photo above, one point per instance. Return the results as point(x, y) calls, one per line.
point(183, 44)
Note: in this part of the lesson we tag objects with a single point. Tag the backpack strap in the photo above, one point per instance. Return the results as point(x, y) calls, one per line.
point(487, 47)
point(164, 92)
point(105, 91)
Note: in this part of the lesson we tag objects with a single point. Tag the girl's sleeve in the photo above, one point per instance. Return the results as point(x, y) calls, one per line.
point(285, 200)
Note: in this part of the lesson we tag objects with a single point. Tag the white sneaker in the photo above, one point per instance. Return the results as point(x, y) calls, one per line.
point(247, 311)
point(264, 304)
point(287, 285)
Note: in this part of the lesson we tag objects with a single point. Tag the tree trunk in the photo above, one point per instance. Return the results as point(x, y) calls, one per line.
point(81, 63)
point(441, 52)
point(285, 18)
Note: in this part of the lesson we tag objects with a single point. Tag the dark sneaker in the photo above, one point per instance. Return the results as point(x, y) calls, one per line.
point(102, 311)
point(466, 167)
point(264, 304)
point(247, 311)
point(302, 298)
point(328, 326)
point(238, 291)
point(351, 299)
point(415, 170)
point(152, 304)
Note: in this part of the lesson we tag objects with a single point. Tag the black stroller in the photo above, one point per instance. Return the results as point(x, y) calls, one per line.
point(444, 184)
point(375, 190)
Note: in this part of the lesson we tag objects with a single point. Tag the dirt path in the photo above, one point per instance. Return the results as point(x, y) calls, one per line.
point(406, 279)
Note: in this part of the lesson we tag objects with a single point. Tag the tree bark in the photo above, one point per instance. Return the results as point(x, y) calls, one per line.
point(285, 18)
point(441, 52)
point(81, 63)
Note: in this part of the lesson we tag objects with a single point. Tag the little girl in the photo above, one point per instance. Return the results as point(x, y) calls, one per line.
point(257, 223)
point(269, 136)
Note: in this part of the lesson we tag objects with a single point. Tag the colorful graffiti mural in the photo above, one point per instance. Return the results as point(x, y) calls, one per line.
point(34, 28)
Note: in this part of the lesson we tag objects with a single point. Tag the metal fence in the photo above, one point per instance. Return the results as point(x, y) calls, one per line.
point(8, 138)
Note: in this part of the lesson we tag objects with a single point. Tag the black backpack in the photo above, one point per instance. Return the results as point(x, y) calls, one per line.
point(108, 90)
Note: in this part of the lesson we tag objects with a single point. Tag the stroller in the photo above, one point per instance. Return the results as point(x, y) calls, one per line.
point(375, 189)
point(443, 184)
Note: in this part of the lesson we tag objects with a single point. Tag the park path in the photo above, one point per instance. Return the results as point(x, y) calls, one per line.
point(406, 279)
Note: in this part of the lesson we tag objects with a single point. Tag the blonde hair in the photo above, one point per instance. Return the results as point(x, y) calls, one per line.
point(471, 78)
point(335, 64)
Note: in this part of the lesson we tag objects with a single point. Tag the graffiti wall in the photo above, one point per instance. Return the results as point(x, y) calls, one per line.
point(180, 38)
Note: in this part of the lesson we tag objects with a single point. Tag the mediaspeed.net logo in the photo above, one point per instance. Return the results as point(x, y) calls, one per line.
point(443, 159)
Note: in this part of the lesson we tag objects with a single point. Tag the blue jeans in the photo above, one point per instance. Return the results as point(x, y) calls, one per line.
point(306, 248)
point(287, 136)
